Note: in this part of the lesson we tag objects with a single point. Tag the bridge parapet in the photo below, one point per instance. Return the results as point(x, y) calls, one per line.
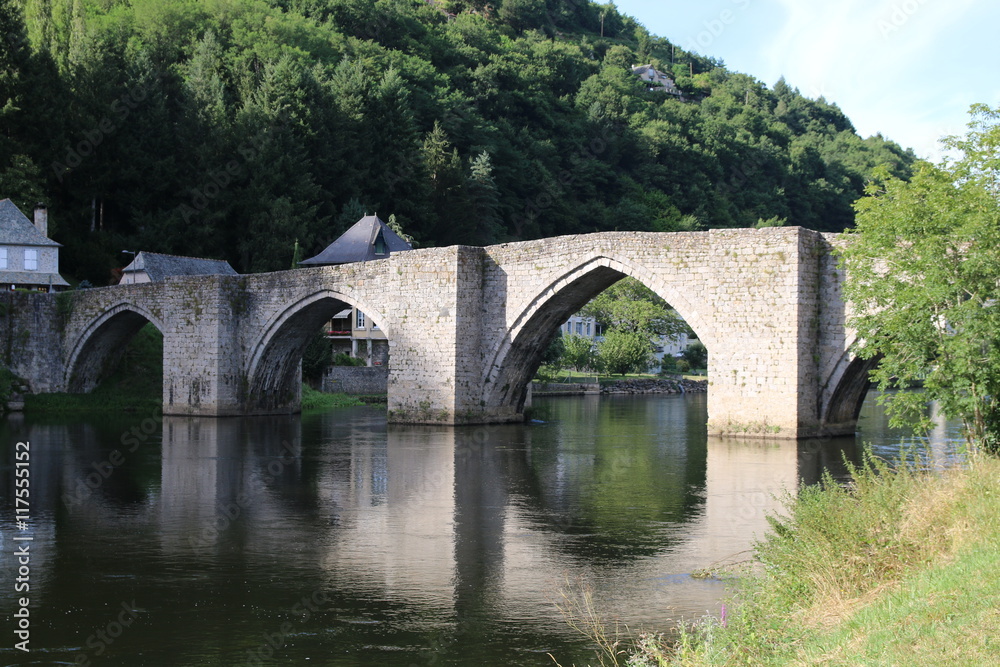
point(467, 326)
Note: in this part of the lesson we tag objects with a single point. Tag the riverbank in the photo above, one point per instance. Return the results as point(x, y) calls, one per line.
point(901, 567)
point(625, 386)
point(318, 400)
point(117, 398)
point(655, 386)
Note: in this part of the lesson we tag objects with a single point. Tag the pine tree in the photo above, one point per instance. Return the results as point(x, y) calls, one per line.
point(484, 200)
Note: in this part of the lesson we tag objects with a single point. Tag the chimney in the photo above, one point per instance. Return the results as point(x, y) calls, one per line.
point(42, 219)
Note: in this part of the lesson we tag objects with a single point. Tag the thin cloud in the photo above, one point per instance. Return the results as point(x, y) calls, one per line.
point(866, 57)
point(889, 64)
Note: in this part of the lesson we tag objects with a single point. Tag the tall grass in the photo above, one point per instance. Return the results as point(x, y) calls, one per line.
point(133, 384)
point(317, 400)
point(853, 564)
point(901, 566)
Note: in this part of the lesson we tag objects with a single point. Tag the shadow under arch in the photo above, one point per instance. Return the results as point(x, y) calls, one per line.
point(103, 337)
point(848, 395)
point(273, 373)
point(517, 357)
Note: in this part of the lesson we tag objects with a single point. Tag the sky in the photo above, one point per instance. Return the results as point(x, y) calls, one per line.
point(908, 69)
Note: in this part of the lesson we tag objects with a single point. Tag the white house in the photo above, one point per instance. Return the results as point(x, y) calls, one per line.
point(663, 346)
point(581, 326)
point(656, 80)
point(29, 259)
point(368, 239)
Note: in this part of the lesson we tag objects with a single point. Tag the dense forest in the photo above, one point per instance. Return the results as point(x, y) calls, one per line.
point(236, 128)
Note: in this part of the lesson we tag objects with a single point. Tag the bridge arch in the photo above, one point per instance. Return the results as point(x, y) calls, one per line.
point(515, 359)
point(273, 381)
point(100, 339)
point(846, 389)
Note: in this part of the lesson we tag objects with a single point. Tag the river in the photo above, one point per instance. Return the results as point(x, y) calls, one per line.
point(336, 539)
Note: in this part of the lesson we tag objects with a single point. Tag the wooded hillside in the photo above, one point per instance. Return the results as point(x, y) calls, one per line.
point(233, 128)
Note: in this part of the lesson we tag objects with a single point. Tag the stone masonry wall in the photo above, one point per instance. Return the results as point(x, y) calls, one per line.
point(466, 326)
point(750, 295)
point(356, 380)
point(412, 297)
point(30, 332)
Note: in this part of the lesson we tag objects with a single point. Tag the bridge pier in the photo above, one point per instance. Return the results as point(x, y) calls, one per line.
point(467, 327)
point(202, 363)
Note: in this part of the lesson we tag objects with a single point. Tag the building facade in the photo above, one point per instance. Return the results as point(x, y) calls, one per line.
point(29, 259)
point(353, 331)
point(663, 346)
point(655, 80)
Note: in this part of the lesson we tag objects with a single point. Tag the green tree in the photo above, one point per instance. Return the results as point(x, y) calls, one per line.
point(923, 275)
point(483, 201)
point(317, 356)
point(523, 14)
point(628, 305)
point(696, 355)
point(230, 129)
point(22, 183)
point(622, 351)
point(578, 352)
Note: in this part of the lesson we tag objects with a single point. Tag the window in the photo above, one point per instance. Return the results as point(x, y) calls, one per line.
point(579, 328)
point(588, 328)
point(30, 260)
point(360, 320)
point(380, 247)
point(3, 258)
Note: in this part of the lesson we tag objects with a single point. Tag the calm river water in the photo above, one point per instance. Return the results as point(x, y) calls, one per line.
point(334, 539)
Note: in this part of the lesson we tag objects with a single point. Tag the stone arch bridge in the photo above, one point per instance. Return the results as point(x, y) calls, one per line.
point(467, 327)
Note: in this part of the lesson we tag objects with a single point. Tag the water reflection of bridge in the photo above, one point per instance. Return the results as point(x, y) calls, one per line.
point(428, 517)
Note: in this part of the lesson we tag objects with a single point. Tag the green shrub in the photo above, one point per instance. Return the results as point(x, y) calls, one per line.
point(317, 400)
point(316, 357)
point(344, 359)
point(669, 365)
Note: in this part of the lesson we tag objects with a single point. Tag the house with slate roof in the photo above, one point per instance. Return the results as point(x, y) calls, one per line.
point(656, 80)
point(153, 267)
point(368, 239)
point(29, 259)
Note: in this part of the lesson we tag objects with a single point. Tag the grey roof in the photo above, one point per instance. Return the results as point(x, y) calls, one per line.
point(655, 76)
point(357, 244)
point(158, 266)
point(16, 229)
point(31, 278)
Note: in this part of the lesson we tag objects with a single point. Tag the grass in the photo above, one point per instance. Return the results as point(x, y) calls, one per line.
point(901, 566)
point(136, 385)
point(113, 398)
point(569, 376)
point(317, 400)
